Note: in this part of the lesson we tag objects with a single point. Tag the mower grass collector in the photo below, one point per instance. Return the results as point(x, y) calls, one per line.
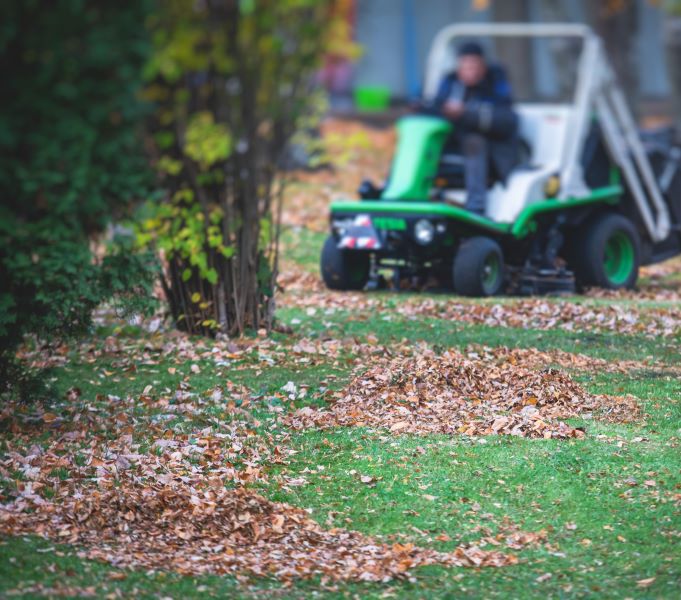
point(594, 199)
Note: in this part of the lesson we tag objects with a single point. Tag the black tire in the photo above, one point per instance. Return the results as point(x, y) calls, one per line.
point(607, 254)
point(478, 268)
point(343, 269)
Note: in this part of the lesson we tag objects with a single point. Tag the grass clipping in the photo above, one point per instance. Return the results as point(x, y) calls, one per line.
point(469, 394)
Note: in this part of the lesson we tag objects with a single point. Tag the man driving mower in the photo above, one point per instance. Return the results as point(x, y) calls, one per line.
point(476, 98)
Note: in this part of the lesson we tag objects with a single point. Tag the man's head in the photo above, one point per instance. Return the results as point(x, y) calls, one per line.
point(471, 66)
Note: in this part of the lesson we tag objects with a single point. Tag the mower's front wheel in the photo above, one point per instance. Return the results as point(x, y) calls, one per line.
point(478, 268)
point(608, 253)
point(343, 269)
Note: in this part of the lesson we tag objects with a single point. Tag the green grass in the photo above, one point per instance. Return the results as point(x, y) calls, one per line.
point(610, 503)
point(35, 568)
point(303, 247)
point(428, 486)
point(121, 383)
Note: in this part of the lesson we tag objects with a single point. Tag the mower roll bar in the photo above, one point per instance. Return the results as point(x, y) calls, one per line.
point(596, 90)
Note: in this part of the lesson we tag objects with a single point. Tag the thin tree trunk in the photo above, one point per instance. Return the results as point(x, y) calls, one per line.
point(617, 24)
point(516, 53)
point(672, 45)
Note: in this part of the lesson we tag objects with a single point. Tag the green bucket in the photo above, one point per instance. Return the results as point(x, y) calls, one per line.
point(372, 98)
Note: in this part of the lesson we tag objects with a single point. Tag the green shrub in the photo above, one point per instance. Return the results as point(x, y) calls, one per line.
point(70, 160)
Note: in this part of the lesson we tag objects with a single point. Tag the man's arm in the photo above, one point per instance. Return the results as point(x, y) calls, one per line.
point(449, 98)
point(441, 104)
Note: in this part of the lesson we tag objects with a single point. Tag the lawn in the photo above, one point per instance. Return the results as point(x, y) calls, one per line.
point(593, 513)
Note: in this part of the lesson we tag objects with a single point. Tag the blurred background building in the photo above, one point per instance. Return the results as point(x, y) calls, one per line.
point(395, 36)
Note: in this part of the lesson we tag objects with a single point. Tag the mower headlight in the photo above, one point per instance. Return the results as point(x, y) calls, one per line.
point(424, 231)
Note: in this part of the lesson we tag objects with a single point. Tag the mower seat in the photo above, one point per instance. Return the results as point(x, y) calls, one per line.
point(545, 128)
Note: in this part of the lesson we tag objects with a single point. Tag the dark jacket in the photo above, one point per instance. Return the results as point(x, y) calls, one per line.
point(489, 112)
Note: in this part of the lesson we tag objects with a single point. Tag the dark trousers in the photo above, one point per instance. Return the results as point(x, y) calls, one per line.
point(474, 148)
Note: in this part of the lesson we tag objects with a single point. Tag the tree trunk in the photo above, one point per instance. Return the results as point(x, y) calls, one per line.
point(672, 45)
point(516, 53)
point(563, 51)
point(617, 25)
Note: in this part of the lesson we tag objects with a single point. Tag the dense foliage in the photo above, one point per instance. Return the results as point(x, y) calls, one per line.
point(70, 158)
point(230, 81)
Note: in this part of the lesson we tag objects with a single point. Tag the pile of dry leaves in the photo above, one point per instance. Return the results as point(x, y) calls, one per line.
point(175, 526)
point(532, 358)
point(457, 394)
point(534, 313)
point(654, 290)
point(525, 313)
point(294, 279)
point(180, 501)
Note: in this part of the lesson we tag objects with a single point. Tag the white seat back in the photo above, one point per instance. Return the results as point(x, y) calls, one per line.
point(544, 127)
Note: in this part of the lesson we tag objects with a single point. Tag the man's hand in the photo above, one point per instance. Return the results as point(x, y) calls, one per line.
point(453, 109)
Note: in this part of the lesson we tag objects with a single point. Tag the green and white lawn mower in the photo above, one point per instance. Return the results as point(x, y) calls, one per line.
point(594, 199)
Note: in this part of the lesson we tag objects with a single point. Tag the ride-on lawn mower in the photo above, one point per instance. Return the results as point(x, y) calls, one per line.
point(594, 199)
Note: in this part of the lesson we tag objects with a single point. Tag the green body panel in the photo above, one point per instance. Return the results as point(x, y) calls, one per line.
point(437, 209)
point(519, 229)
point(419, 148)
point(524, 224)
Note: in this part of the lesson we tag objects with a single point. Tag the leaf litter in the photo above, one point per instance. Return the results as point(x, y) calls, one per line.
point(183, 501)
point(497, 392)
point(523, 313)
point(173, 525)
point(357, 152)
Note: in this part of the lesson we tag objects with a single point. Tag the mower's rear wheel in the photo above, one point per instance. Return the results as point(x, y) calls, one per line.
point(343, 269)
point(608, 253)
point(478, 268)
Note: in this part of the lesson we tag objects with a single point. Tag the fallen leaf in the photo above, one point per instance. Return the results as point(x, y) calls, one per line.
point(644, 583)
